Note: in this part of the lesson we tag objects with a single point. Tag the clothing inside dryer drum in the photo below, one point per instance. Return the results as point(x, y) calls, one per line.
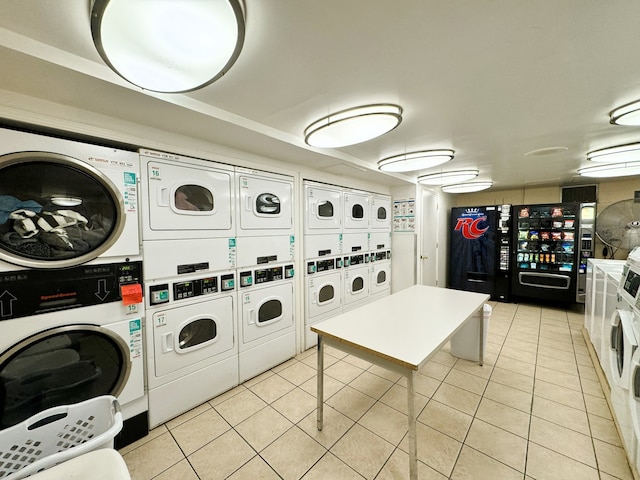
point(193, 198)
point(325, 209)
point(197, 332)
point(52, 211)
point(60, 369)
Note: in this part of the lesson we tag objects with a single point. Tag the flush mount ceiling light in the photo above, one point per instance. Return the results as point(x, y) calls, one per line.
point(628, 114)
point(354, 125)
point(168, 46)
point(467, 187)
point(408, 162)
point(611, 170)
point(621, 153)
point(447, 178)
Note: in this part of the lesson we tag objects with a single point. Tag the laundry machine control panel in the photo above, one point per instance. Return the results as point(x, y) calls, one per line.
point(159, 294)
point(265, 275)
point(358, 259)
point(377, 256)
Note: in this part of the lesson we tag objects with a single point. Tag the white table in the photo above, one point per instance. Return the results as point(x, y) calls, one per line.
point(400, 332)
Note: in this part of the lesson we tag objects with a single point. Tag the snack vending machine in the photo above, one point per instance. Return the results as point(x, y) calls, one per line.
point(550, 251)
point(480, 250)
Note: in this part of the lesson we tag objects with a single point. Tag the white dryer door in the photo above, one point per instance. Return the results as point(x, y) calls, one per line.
point(357, 209)
point(182, 197)
point(265, 203)
point(324, 294)
point(380, 276)
point(356, 282)
point(381, 213)
point(323, 209)
point(185, 335)
point(266, 310)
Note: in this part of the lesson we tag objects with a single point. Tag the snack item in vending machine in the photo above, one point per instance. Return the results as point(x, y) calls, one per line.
point(524, 213)
point(556, 212)
point(568, 235)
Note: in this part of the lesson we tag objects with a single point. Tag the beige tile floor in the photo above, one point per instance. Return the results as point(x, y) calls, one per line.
point(535, 410)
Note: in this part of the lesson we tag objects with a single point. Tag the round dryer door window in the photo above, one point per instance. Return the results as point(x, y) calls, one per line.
point(55, 211)
point(61, 366)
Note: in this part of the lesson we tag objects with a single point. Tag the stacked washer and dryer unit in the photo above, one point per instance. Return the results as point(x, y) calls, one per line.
point(219, 248)
point(71, 313)
point(347, 251)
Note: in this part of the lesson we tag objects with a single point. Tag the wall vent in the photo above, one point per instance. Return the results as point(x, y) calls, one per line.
point(580, 193)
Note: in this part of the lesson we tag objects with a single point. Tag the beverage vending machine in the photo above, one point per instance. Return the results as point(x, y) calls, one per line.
point(480, 250)
point(552, 243)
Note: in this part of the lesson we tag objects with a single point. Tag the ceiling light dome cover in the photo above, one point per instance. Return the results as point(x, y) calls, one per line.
point(628, 114)
point(611, 170)
point(448, 178)
point(412, 161)
point(619, 153)
point(168, 46)
point(468, 187)
point(353, 125)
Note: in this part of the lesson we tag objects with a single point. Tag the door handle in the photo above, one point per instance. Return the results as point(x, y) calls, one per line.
point(424, 257)
point(167, 342)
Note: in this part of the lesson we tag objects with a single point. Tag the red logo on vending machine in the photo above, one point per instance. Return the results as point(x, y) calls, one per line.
point(469, 224)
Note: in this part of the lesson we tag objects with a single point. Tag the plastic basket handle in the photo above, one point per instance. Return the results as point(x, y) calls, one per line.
point(47, 416)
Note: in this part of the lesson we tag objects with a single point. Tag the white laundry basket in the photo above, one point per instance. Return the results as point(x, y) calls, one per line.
point(58, 434)
point(464, 343)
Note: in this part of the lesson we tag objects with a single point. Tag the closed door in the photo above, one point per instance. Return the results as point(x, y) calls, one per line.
point(357, 210)
point(186, 197)
point(381, 213)
point(380, 277)
point(192, 333)
point(265, 203)
point(324, 294)
point(323, 209)
point(356, 284)
point(266, 310)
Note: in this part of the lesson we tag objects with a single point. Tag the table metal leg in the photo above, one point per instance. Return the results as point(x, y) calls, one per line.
point(320, 374)
point(481, 337)
point(413, 446)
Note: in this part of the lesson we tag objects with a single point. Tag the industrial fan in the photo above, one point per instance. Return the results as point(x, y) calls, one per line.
point(618, 226)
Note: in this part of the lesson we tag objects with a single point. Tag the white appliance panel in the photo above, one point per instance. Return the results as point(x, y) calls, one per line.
point(356, 284)
point(265, 204)
point(355, 242)
point(323, 208)
point(357, 210)
point(380, 277)
point(266, 310)
point(269, 249)
point(380, 241)
point(381, 213)
point(186, 197)
point(321, 245)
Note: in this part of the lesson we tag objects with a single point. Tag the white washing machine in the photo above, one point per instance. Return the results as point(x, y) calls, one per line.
point(192, 347)
point(357, 210)
point(51, 355)
point(267, 333)
point(624, 345)
point(323, 287)
point(595, 290)
point(380, 283)
point(265, 230)
point(353, 243)
point(65, 203)
point(356, 281)
point(381, 212)
point(323, 208)
point(329, 244)
point(606, 279)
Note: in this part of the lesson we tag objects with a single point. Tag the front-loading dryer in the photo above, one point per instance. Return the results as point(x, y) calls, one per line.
point(380, 283)
point(323, 286)
point(323, 207)
point(357, 210)
point(380, 212)
point(267, 333)
point(192, 347)
point(65, 203)
point(356, 281)
point(186, 198)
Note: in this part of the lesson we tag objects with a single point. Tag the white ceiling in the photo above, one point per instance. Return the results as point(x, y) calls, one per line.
point(491, 79)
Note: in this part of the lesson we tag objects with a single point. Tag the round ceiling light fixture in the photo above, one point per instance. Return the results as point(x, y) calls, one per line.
point(628, 114)
point(611, 170)
point(171, 46)
point(620, 153)
point(408, 162)
point(467, 187)
point(353, 125)
point(448, 178)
